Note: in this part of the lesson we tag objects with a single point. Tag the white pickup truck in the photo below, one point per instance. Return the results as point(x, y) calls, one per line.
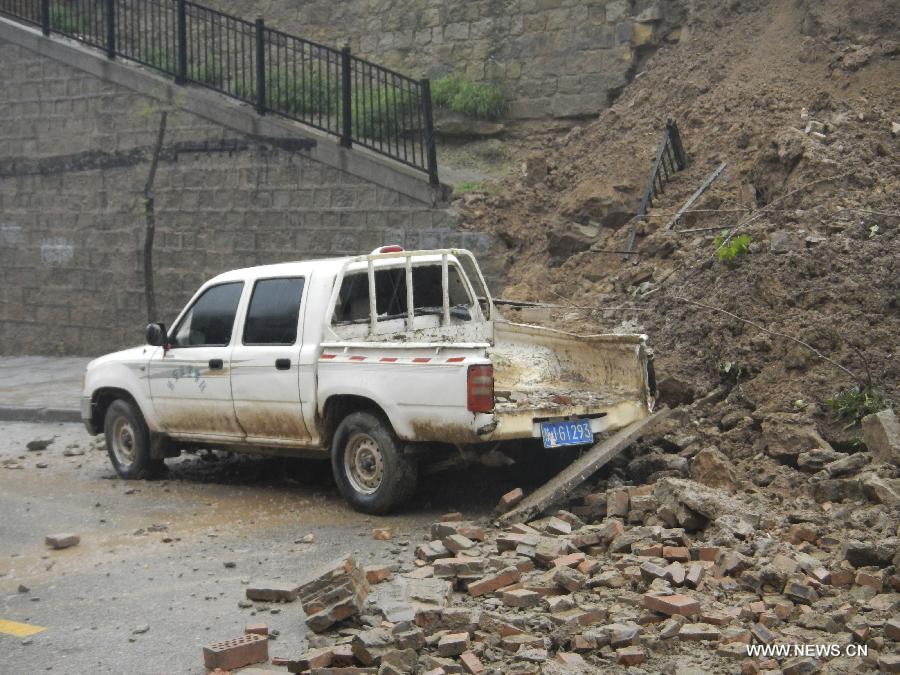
point(377, 361)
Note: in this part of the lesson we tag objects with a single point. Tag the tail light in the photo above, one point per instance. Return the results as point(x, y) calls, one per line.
point(480, 389)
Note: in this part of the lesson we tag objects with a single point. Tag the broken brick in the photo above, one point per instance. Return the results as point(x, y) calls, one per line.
point(800, 592)
point(256, 628)
point(459, 568)
point(60, 541)
point(520, 598)
point(762, 634)
point(370, 645)
point(375, 574)
point(572, 659)
point(558, 526)
point(471, 663)
point(322, 657)
point(510, 499)
point(617, 501)
point(676, 553)
point(382, 533)
point(841, 578)
point(631, 656)
point(505, 577)
point(651, 571)
point(272, 591)
point(514, 643)
point(236, 653)
point(694, 576)
point(698, 631)
point(672, 604)
point(453, 644)
point(707, 553)
point(570, 560)
point(569, 579)
point(588, 567)
point(456, 543)
point(872, 579)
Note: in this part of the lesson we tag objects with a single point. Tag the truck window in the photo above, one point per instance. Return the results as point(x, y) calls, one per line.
point(390, 294)
point(273, 312)
point(209, 321)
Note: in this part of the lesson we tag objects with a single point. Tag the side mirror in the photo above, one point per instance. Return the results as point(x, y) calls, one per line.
point(155, 333)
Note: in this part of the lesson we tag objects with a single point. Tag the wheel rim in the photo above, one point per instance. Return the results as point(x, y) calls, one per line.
point(363, 464)
point(123, 441)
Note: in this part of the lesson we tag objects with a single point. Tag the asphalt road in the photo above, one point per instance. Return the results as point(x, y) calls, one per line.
point(148, 585)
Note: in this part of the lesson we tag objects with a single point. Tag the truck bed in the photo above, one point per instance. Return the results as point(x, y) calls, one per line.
point(542, 374)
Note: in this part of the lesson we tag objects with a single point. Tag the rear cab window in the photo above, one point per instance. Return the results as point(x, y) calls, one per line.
point(392, 297)
point(274, 312)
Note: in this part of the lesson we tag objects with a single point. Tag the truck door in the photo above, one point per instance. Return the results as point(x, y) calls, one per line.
point(190, 383)
point(265, 364)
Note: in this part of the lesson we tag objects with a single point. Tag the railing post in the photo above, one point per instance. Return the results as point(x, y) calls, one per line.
point(45, 17)
point(260, 66)
point(430, 148)
point(346, 99)
point(111, 29)
point(181, 65)
point(675, 135)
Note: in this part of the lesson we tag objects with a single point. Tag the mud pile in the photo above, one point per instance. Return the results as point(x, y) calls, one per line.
point(800, 100)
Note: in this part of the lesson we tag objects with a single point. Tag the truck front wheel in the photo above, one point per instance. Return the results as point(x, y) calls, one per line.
point(128, 442)
point(369, 466)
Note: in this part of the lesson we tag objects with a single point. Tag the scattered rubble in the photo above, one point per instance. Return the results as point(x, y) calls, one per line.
point(658, 568)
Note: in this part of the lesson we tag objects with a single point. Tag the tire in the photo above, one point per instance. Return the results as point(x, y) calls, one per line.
point(128, 442)
point(369, 466)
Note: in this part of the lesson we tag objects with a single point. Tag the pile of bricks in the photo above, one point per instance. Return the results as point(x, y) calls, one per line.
point(582, 591)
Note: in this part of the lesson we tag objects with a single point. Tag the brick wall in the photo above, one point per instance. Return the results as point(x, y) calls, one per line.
point(74, 157)
point(555, 57)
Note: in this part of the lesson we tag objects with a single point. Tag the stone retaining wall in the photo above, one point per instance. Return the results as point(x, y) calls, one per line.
point(556, 58)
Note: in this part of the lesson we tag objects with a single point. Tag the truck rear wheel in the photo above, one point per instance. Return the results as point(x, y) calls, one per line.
point(128, 442)
point(369, 466)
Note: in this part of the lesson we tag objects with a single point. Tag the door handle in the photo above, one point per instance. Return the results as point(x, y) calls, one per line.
point(215, 364)
point(283, 364)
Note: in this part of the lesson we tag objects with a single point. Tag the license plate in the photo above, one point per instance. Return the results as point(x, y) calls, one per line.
point(558, 434)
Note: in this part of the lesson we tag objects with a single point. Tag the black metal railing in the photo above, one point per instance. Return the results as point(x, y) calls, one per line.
point(669, 158)
point(330, 89)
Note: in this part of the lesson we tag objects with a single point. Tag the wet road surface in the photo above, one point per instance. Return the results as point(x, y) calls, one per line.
point(152, 554)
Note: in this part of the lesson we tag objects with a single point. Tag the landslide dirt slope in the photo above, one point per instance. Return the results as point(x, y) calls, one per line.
point(743, 82)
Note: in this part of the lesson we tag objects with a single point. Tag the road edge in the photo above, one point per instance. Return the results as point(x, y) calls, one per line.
point(13, 413)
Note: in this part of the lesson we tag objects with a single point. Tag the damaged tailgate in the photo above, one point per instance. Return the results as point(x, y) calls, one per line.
point(544, 375)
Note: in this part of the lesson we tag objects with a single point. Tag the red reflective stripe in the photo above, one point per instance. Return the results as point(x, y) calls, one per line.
point(456, 359)
point(388, 359)
point(357, 358)
point(421, 359)
point(327, 356)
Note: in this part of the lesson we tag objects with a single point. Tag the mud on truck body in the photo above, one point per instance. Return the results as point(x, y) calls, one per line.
point(381, 362)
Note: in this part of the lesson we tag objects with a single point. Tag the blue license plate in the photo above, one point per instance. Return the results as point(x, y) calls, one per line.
point(558, 434)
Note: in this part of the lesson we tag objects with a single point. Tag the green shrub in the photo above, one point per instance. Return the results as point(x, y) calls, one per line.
point(384, 114)
point(302, 93)
point(458, 94)
point(206, 73)
point(736, 246)
point(850, 405)
point(160, 59)
point(66, 20)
